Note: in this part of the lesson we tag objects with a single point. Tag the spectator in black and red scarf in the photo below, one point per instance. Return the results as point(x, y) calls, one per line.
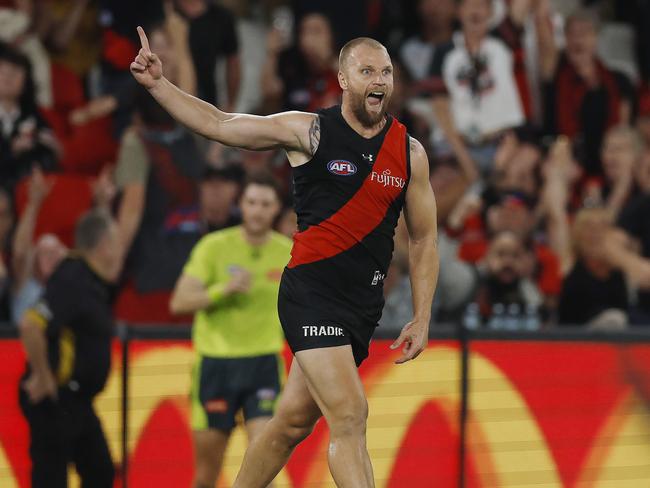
point(584, 97)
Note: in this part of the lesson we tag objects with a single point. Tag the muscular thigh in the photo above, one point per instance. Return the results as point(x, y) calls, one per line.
point(332, 378)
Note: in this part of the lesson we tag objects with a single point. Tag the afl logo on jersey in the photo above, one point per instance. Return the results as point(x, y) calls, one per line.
point(341, 167)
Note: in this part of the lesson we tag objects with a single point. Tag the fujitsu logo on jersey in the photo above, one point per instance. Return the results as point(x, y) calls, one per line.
point(386, 179)
point(341, 167)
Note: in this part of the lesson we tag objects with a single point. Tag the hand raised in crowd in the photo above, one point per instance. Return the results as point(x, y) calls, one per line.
point(39, 186)
point(39, 387)
point(147, 67)
point(104, 189)
point(560, 171)
point(240, 281)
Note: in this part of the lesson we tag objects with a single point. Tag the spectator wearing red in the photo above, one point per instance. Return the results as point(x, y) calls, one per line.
point(498, 285)
point(158, 171)
point(305, 76)
point(512, 212)
point(584, 97)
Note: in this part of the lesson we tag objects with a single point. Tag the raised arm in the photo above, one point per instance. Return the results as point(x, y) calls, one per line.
point(443, 115)
point(23, 245)
point(420, 216)
point(288, 130)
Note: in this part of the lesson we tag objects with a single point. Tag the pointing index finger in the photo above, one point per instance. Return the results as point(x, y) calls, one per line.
point(143, 39)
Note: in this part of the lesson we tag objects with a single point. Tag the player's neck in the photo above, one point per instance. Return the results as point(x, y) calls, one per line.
point(358, 127)
point(255, 239)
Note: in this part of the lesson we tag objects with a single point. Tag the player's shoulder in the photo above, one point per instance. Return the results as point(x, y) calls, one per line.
point(418, 159)
point(416, 148)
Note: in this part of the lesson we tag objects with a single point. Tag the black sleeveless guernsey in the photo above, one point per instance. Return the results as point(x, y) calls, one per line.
point(348, 199)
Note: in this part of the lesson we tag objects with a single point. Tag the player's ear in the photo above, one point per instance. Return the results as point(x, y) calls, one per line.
point(343, 82)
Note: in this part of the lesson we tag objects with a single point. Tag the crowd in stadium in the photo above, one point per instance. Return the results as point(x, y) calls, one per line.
point(535, 115)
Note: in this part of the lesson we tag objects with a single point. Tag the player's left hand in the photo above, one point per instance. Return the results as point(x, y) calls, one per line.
point(414, 338)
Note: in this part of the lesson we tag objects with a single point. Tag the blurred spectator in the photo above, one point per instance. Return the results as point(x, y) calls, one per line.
point(498, 286)
point(596, 260)
point(32, 264)
point(506, 211)
point(477, 93)
point(288, 222)
point(304, 76)
point(503, 278)
point(218, 193)
point(398, 106)
point(212, 38)
point(6, 224)
point(636, 222)
point(116, 87)
point(352, 19)
point(593, 289)
point(16, 29)
point(71, 32)
point(116, 95)
point(436, 24)
point(158, 170)
point(643, 117)
point(25, 138)
point(621, 156)
point(584, 98)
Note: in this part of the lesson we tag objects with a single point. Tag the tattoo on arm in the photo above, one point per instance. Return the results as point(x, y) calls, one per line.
point(314, 135)
point(412, 144)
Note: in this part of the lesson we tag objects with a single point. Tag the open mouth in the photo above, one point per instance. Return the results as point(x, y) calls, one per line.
point(376, 97)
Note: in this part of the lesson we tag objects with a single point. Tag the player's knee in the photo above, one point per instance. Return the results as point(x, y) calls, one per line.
point(349, 418)
point(294, 428)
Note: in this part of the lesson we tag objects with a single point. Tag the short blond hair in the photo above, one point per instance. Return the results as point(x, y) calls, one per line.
point(346, 50)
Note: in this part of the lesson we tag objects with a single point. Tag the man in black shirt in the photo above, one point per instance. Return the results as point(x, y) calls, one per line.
point(212, 36)
point(67, 338)
point(634, 220)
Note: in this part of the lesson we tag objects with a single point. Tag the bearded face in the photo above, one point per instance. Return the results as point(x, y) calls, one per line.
point(368, 84)
point(369, 108)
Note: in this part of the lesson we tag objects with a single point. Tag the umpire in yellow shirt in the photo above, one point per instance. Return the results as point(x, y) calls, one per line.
point(231, 284)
